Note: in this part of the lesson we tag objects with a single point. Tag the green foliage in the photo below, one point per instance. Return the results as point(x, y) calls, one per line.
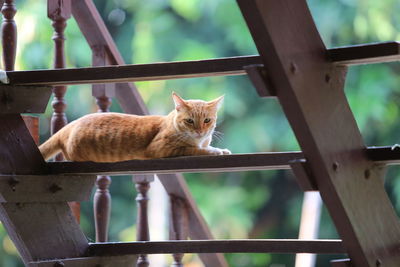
point(236, 205)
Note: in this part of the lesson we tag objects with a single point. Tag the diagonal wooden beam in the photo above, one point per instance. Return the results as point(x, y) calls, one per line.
point(310, 89)
point(96, 33)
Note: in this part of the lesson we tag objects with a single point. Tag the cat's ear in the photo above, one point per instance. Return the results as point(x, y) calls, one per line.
point(179, 102)
point(217, 103)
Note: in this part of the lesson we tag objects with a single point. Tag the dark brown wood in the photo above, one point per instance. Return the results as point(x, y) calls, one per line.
point(384, 154)
point(19, 153)
point(142, 184)
point(102, 197)
point(258, 77)
point(310, 89)
point(365, 53)
point(304, 175)
point(9, 34)
point(97, 35)
point(43, 230)
point(344, 263)
point(59, 11)
point(24, 99)
point(27, 188)
point(222, 163)
point(179, 225)
point(368, 53)
point(133, 73)
point(120, 261)
point(221, 246)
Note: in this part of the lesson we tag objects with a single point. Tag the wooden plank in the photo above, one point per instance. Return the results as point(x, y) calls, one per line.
point(24, 99)
point(32, 123)
point(350, 55)
point(310, 89)
point(345, 263)
point(385, 154)
point(132, 73)
point(29, 188)
point(18, 152)
point(43, 230)
point(120, 261)
point(365, 53)
point(221, 163)
point(220, 246)
point(303, 175)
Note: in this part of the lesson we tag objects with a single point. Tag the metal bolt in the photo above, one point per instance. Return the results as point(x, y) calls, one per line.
point(378, 263)
point(367, 173)
point(327, 78)
point(59, 264)
point(293, 67)
point(335, 166)
point(54, 188)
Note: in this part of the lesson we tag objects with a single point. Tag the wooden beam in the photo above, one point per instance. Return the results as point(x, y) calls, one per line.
point(351, 55)
point(385, 154)
point(220, 246)
point(18, 151)
point(222, 163)
point(120, 261)
point(43, 230)
point(51, 188)
point(24, 99)
point(132, 73)
point(365, 53)
point(310, 89)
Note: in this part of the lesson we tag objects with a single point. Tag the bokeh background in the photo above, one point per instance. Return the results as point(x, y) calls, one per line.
point(262, 204)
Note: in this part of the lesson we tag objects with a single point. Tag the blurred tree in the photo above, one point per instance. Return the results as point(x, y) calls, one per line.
point(256, 204)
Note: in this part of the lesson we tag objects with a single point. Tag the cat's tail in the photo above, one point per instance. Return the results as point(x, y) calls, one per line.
point(51, 147)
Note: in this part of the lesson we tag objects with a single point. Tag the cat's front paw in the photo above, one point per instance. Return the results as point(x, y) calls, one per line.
point(226, 151)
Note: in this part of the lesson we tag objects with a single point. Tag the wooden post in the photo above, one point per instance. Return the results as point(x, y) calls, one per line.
point(179, 225)
point(9, 34)
point(142, 229)
point(102, 197)
point(59, 11)
point(310, 89)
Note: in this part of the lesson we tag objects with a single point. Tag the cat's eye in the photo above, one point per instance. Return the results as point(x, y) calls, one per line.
point(189, 121)
point(207, 120)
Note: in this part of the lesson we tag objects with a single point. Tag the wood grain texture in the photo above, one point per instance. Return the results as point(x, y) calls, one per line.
point(18, 152)
point(221, 246)
point(120, 261)
point(24, 99)
point(310, 89)
point(43, 230)
point(28, 188)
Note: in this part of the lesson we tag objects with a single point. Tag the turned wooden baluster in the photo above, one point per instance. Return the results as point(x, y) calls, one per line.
point(179, 225)
point(102, 197)
point(9, 34)
point(142, 228)
point(59, 11)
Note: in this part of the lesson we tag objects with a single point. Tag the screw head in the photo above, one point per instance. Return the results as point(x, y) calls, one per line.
point(335, 166)
point(367, 174)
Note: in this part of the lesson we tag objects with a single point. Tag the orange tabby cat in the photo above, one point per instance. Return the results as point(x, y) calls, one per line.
point(110, 137)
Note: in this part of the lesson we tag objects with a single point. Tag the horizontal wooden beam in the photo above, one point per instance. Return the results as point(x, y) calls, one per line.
point(223, 163)
point(49, 188)
point(350, 55)
point(120, 261)
point(365, 53)
point(134, 73)
point(218, 246)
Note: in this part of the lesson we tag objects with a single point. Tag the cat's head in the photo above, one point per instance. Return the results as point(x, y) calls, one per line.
point(196, 118)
